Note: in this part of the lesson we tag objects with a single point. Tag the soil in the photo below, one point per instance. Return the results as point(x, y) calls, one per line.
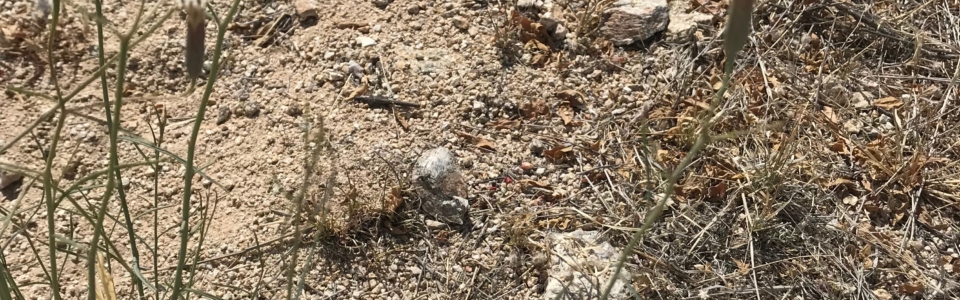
point(797, 197)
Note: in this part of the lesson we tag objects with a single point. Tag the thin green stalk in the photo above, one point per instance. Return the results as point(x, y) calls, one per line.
point(113, 167)
point(191, 149)
point(52, 154)
point(162, 121)
point(736, 34)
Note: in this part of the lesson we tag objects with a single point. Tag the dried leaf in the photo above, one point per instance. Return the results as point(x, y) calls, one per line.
point(596, 146)
point(565, 113)
point(485, 144)
point(575, 98)
point(742, 267)
point(393, 200)
point(717, 191)
point(533, 183)
point(400, 120)
point(888, 103)
point(534, 109)
point(359, 91)
point(539, 60)
point(504, 124)
point(557, 153)
point(911, 288)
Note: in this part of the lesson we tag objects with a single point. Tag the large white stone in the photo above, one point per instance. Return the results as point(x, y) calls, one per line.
point(630, 21)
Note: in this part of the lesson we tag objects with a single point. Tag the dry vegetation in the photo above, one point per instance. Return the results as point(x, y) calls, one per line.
point(831, 174)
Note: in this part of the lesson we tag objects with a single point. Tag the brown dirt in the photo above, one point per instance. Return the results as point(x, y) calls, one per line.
point(831, 177)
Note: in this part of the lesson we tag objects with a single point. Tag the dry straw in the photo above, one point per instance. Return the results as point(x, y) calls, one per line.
point(735, 37)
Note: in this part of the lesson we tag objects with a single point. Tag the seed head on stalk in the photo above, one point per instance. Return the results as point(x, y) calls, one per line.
point(195, 36)
point(737, 29)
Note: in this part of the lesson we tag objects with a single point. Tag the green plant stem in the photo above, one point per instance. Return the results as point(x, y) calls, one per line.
point(191, 149)
point(703, 139)
point(113, 168)
point(48, 184)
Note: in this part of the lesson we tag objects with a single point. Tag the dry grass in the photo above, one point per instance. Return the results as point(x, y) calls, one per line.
point(808, 193)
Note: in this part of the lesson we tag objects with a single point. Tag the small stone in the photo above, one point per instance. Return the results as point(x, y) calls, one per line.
point(529, 3)
point(853, 126)
point(537, 146)
point(631, 21)
point(223, 115)
point(415, 270)
point(293, 111)
point(460, 22)
point(478, 106)
point(413, 10)
point(416, 24)
point(251, 109)
point(366, 41)
point(8, 178)
point(440, 186)
point(381, 3)
point(355, 69)
point(335, 76)
point(526, 166)
point(306, 10)
point(328, 55)
point(560, 33)
point(859, 100)
point(435, 224)
point(207, 65)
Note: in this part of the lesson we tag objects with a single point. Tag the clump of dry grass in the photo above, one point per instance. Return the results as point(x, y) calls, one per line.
point(832, 175)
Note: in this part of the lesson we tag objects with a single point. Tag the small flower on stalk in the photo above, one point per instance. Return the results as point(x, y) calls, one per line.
point(195, 36)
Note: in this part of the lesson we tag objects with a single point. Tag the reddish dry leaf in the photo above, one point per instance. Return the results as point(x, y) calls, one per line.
point(504, 124)
point(400, 120)
point(534, 109)
point(529, 28)
point(539, 60)
point(575, 98)
point(485, 144)
point(888, 103)
point(359, 91)
point(596, 146)
point(533, 183)
point(717, 191)
point(557, 153)
point(911, 288)
point(840, 147)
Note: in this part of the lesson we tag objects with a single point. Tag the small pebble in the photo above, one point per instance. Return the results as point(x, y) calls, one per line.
point(251, 109)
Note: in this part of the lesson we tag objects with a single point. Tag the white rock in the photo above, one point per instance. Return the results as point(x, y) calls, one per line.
point(631, 21)
point(366, 41)
point(440, 186)
point(580, 261)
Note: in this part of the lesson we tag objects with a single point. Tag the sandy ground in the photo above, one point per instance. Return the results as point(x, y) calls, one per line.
point(545, 146)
